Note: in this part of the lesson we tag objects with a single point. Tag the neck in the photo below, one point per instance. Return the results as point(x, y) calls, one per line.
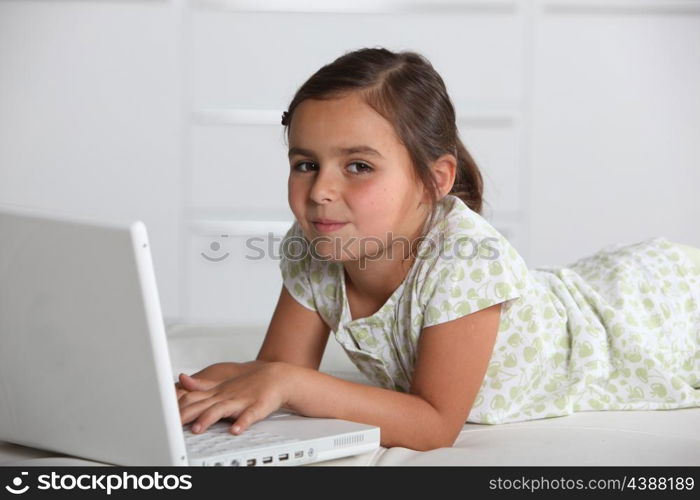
point(376, 279)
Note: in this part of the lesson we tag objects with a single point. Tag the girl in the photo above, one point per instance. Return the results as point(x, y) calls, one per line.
point(431, 303)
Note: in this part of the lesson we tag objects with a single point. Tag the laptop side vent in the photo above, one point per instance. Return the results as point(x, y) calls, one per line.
point(347, 440)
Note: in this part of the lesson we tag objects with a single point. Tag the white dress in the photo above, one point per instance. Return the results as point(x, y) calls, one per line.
point(617, 330)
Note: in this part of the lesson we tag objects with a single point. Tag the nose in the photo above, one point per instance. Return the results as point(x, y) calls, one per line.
point(325, 187)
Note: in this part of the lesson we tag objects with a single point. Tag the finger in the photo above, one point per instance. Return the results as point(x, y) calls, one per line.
point(191, 397)
point(214, 413)
point(194, 384)
point(178, 389)
point(248, 417)
point(190, 412)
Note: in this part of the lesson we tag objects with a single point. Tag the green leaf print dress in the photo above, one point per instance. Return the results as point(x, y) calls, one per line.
point(618, 330)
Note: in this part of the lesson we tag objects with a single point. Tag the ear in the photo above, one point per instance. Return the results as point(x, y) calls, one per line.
point(444, 170)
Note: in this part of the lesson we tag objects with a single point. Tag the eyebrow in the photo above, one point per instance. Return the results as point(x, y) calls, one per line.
point(337, 151)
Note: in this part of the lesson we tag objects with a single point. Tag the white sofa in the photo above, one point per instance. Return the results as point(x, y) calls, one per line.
point(587, 438)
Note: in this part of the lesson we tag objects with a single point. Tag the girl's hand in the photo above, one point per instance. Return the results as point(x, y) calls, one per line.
point(214, 374)
point(248, 397)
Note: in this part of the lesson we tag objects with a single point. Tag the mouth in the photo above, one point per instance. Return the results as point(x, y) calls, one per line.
point(327, 225)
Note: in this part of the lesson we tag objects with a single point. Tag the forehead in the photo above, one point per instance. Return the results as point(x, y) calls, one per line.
point(333, 124)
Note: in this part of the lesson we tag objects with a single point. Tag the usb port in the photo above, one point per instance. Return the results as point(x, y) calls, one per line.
point(267, 460)
point(250, 462)
point(298, 454)
point(283, 456)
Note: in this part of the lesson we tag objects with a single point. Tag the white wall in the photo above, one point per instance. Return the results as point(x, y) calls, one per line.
point(242, 81)
point(90, 116)
point(583, 115)
point(616, 126)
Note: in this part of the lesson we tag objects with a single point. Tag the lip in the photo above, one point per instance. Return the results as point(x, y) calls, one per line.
point(327, 221)
point(327, 225)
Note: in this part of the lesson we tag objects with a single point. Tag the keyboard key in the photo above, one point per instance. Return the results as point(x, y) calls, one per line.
point(217, 440)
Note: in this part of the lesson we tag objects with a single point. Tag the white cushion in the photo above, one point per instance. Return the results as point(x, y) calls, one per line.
point(589, 438)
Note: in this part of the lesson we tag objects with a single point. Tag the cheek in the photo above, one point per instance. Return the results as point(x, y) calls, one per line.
point(365, 198)
point(296, 193)
point(376, 205)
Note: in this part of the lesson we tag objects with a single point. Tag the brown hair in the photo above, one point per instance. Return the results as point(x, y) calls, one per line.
point(406, 90)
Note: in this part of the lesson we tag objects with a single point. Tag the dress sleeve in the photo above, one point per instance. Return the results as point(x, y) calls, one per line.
point(295, 262)
point(470, 276)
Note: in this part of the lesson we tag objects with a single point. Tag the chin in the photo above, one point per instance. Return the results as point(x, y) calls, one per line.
point(327, 254)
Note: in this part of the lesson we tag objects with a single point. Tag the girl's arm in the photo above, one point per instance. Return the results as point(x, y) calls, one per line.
point(451, 364)
point(450, 367)
point(296, 335)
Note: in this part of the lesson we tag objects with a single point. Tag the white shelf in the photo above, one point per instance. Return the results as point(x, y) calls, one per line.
point(360, 6)
point(621, 6)
point(240, 228)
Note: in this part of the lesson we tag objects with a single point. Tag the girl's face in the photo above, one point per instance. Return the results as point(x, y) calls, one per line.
point(348, 165)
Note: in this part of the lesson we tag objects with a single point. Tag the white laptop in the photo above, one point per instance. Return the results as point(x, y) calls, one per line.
point(84, 363)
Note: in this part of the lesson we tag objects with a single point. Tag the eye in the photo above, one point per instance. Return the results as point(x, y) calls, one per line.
point(298, 167)
point(363, 168)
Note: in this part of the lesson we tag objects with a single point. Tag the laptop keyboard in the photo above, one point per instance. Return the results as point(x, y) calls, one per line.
point(218, 440)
